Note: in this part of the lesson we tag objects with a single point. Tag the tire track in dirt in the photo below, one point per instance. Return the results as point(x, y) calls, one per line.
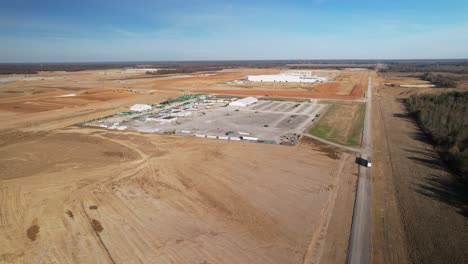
point(315, 248)
point(96, 232)
point(389, 242)
point(158, 207)
point(12, 213)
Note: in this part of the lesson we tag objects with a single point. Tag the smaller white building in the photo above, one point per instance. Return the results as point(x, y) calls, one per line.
point(244, 102)
point(180, 113)
point(140, 108)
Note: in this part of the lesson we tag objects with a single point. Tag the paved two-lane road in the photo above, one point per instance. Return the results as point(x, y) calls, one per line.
point(359, 249)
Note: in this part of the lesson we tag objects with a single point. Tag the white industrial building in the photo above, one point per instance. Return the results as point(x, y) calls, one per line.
point(303, 73)
point(140, 107)
point(294, 76)
point(141, 70)
point(244, 102)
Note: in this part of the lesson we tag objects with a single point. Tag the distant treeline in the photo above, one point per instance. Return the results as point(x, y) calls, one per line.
point(168, 67)
point(458, 66)
point(332, 66)
point(184, 70)
point(191, 67)
point(453, 66)
point(440, 80)
point(71, 67)
point(444, 118)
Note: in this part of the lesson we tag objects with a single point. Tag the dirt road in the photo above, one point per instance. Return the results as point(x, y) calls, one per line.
point(419, 214)
point(356, 150)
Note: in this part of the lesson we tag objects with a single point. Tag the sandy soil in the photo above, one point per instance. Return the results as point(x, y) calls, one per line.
point(418, 214)
point(59, 100)
point(401, 78)
point(335, 244)
point(348, 85)
point(82, 195)
point(70, 194)
point(49, 91)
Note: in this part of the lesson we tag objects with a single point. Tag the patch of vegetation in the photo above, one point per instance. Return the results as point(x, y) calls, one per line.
point(342, 123)
point(321, 131)
point(440, 80)
point(444, 118)
point(355, 137)
point(182, 98)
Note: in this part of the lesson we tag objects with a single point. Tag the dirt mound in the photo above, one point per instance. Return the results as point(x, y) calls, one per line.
point(32, 232)
point(97, 226)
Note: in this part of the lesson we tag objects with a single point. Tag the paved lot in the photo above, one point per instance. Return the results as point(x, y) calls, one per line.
point(265, 120)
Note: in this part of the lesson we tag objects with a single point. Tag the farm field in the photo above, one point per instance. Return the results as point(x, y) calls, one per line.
point(342, 123)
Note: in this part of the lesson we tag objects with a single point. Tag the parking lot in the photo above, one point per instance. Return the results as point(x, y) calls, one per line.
point(276, 122)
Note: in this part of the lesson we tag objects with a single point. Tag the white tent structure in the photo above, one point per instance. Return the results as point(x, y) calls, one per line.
point(140, 107)
point(244, 102)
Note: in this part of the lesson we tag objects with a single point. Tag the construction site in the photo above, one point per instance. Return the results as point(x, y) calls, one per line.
point(293, 76)
point(234, 132)
point(224, 118)
point(121, 166)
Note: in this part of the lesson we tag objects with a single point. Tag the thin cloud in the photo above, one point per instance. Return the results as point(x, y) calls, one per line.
point(124, 33)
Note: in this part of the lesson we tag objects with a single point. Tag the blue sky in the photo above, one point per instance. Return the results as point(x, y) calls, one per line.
point(123, 30)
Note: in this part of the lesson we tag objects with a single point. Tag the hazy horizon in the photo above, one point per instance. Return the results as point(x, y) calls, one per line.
point(106, 31)
point(351, 61)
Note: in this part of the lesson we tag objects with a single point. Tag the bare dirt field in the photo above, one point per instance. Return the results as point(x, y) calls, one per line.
point(70, 194)
point(347, 85)
point(58, 100)
point(401, 78)
point(83, 195)
point(392, 78)
point(59, 90)
point(419, 214)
